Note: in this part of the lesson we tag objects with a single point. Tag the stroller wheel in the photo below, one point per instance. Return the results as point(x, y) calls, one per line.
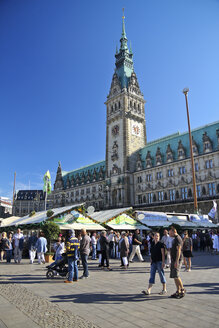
point(50, 274)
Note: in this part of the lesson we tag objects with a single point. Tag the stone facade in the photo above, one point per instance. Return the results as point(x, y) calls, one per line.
point(154, 175)
point(27, 201)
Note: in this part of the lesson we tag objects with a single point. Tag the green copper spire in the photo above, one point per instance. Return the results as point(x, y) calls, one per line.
point(123, 39)
point(124, 59)
point(123, 24)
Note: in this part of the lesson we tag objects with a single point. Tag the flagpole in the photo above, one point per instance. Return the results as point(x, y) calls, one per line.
point(185, 91)
point(46, 192)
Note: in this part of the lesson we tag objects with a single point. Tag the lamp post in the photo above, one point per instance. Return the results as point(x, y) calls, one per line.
point(185, 91)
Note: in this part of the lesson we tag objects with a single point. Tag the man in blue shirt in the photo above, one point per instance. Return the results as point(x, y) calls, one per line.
point(72, 248)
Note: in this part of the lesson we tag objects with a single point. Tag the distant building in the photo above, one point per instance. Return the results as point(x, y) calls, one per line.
point(151, 175)
point(27, 201)
point(5, 207)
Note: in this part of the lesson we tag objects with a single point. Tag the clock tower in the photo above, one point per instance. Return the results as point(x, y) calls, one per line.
point(126, 129)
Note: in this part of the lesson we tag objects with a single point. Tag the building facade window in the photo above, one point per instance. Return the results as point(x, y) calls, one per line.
point(212, 189)
point(184, 193)
point(182, 170)
point(172, 194)
point(159, 175)
point(196, 167)
point(150, 197)
point(209, 164)
point(170, 173)
point(148, 177)
point(160, 195)
point(88, 190)
point(139, 179)
point(198, 190)
point(139, 199)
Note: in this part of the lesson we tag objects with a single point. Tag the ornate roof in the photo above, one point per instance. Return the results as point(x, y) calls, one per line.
point(88, 171)
point(174, 139)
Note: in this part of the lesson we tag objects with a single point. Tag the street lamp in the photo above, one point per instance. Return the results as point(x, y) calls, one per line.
point(185, 91)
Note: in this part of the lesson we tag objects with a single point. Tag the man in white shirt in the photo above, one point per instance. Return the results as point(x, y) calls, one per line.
point(94, 246)
point(167, 242)
point(18, 241)
point(111, 239)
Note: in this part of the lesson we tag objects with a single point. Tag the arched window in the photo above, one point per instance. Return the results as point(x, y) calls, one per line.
point(115, 106)
point(134, 105)
point(131, 104)
point(119, 104)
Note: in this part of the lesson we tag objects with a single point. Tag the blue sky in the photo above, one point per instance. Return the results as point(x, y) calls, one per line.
point(56, 65)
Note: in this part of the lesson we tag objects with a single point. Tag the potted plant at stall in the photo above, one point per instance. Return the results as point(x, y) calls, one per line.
point(51, 231)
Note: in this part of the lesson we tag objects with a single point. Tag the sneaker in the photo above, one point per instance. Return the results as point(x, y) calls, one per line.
point(130, 261)
point(75, 280)
point(188, 270)
point(163, 292)
point(68, 282)
point(146, 292)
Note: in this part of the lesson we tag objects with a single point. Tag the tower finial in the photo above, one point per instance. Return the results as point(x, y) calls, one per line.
point(123, 23)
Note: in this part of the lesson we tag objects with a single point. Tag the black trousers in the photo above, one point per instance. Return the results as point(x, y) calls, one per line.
point(105, 256)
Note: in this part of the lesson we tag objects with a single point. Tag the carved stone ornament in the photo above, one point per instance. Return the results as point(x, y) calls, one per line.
point(115, 130)
point(115, 155)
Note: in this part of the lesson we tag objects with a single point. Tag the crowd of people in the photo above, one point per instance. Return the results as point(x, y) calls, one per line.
point(170, 251)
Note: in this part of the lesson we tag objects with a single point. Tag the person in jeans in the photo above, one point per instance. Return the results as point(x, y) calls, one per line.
point(72, 247)
point(41, 248)
point(94, 246)
point(176, 261)
point(9, 248)
point(18, 241)
point(157, 264)
point(136, 242)
point(166, 241)
point(84, 251)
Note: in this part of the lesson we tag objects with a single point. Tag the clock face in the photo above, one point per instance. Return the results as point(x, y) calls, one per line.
point(115, 130)
point(136, 129)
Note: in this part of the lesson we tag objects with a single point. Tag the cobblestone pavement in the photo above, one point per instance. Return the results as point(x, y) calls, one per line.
point(114, 298)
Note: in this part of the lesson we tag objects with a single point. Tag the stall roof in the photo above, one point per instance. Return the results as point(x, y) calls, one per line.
point(125, 222)
point(38, 217)
point(104, 216)
point(9, 221)
point(75, 220)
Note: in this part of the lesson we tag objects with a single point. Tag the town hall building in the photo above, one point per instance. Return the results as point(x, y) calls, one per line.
point(152, 175)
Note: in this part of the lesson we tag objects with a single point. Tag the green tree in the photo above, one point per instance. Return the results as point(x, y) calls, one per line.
point(51, 231)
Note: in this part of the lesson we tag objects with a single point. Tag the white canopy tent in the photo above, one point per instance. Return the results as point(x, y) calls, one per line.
point(118, 219)
point(36, 218)
point(104, 216)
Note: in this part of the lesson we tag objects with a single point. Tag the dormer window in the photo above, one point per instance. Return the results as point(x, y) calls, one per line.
point(148, 160)
point(158, 157)
point(169, 154)
point(181, 150)
point(139, 163)
point(194, 147)
point(207, 143)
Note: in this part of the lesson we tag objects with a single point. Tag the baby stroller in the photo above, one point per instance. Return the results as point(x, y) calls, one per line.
point(60, 267)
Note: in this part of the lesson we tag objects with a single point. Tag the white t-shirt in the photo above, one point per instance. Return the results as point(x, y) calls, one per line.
point(93, 240)
point(215, 241)
point(16, 238)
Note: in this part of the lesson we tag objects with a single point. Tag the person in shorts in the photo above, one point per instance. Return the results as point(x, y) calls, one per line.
point(176, 261)
point(187, 251)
